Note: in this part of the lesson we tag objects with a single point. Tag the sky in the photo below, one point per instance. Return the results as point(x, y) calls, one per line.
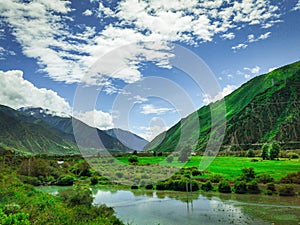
point(128, 63)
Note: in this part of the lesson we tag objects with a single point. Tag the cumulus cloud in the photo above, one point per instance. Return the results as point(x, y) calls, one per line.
point(16, 92)
point(297, 6)
point(228, 36)
point(96, 118)
point(138, 99)
point(156, 127)
point(44, 30)
point(87, 12)
point(151, 109)
point(254, 70)
point(226, 91)
point(252, 38)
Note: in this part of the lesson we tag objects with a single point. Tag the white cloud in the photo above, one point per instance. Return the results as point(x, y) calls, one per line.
point(228, 36)
point(155, 127)
point(251, 37)
point(87, 13)
point(226, 91)
point(138, 99)
point(96, 118)
point(16, 92)
point(239, 46)
point(254, 70)
point(151, 109)
point(44, 29)
point(297, 6)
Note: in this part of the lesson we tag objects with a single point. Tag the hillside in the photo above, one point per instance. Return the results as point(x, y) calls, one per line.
point(129, 139)
point(264, 109)
point(90, 139)
point(20, 135)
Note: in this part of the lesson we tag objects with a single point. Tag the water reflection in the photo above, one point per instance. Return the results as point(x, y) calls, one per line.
point(145, 207)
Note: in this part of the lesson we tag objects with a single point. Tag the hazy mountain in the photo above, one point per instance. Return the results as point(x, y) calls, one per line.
point(264, 109)
point(129, 139)
point(76, 131)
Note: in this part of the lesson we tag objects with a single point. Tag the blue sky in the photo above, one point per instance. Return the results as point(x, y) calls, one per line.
point(109, 63)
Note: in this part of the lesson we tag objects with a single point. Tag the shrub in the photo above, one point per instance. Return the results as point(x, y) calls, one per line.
point(134, 187)
point(291, 178)
point(82, 169)
point(206, 186)
point(271, 188)
point(224, 187)
point(149, 186)
point(287, 190)
point(196, 172)
point(264, 151)
point(248, 174)
point(119, 174)
point(183, 157)
point(14, 218)
point(65, 180)
point(253, 188)
point(77, 196)
point(216, 178)
point(31, 180)
point(264, 178)
point(133, 159)
point(161, 186)
point(94, 180)
point(293, 155)
point(240, 187)
point(250, 153)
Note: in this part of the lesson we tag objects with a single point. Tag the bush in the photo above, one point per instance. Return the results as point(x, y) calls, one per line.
point(119, 174)
point(94, 180)
point(77, 196)
point(248, 174)
point(161, 186)
point(30, 180)
point(264, 178)
point(14, 218)
point(216, 178)
point(271, 188)
point(134, 187)
point(291, 178)
point(224, 187)
point(206, 186)
point(65, 181)
point(250, 153)
point(240, 187)
point(287, 190)
point(133, 159)
point(253, 188)
point(293, 155)
point(149, 186)
point(196, 172)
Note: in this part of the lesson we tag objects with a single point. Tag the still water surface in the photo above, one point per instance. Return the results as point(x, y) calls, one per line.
point(172, 208)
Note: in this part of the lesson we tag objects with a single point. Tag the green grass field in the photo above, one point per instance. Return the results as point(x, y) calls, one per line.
point(230, 167)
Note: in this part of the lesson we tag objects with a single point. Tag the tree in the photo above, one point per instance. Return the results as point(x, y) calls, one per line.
point(250, 153)
point(133, 159)
point(274, 150)
point(170, 159)
point(248, 174)
point(265, 150)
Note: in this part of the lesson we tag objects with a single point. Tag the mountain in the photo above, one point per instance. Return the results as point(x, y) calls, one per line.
point(129, 139)
point(264, 109)
point(88, 138)
point(25, 134)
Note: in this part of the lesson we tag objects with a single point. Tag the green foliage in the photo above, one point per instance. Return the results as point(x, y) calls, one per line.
point(265, 151)
point(271, 188)
point(149, 186)
point(292, 178)
point(133, 159)
point(183, 157)
point(94, 180)
point(77, 196)
point(224, 187)
point(67, 180)
point(293, 155)
point(274, 150)
point(16, 218)
point(207, 186)
point(216, 178)
point(240, 187)
point(287, 190)
point(253, 188)
point(248, 174)
point(264, 178)
point(82, 169)
point(250, 153)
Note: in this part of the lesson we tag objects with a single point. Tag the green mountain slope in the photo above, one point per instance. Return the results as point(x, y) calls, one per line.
point(30, 137)
point(265, 108)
